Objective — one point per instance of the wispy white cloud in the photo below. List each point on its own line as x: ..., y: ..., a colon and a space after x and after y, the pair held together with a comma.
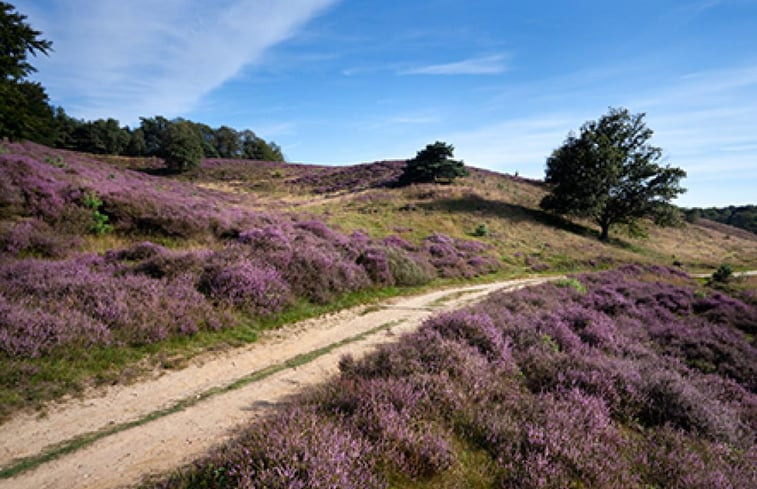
x: 486, y: 65
x: 141, y: 57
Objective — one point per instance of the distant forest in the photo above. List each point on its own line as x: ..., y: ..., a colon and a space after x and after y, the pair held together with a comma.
x: 744, y: 217
x: 106, y: 136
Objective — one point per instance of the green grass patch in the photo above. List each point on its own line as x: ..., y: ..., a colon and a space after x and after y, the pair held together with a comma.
x: 474, y: 469
x: 573, y: 283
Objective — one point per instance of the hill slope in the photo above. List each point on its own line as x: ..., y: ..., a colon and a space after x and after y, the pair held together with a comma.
x: 105, y: 261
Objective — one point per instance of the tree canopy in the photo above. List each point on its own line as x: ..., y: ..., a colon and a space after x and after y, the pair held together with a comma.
x: 434, y: 163
x: 24, y: 109
x: 182, y: 149
x: 17, y: 41
x: 611, y: 173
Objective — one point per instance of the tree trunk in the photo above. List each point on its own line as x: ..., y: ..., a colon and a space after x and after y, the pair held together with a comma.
x: 605, y: 235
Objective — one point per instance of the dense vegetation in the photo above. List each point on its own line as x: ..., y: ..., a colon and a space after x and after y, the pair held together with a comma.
x: 433, y: 163
x: 744, y: 217
x: 624, y: 379
x: 157, y: 136
x: 611, y: 174
x: 57, y: 298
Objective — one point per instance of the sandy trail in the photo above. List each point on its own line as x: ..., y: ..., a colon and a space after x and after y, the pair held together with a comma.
x: 125, y: 457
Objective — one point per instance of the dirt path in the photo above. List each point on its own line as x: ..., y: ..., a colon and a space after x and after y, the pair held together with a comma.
x: 161, y: 423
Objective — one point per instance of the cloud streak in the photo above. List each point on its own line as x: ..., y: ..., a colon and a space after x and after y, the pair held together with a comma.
x: 486, y: 65
x: 127, y: 59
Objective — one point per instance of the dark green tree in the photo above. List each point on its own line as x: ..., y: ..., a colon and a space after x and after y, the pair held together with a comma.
x: 227, y: 142
x: 207, y: 137
x: 434, y: 163
x: 154, y: 132
x: 25, y: 112
x: 136, y: 145
x: 611, y: 174
x: 182, y: 147
x: 24, y: 109
x: 255, y: 148
x: 17, y: 41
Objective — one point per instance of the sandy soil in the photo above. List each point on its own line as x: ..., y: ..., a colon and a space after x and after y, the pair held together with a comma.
x: 124, y: 458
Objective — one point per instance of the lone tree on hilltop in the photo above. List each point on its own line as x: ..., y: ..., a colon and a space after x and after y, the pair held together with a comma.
x: 434, y: 163
x: 611, y: 174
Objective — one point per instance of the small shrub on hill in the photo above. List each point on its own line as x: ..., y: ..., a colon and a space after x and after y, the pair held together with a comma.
x: 723, y: 274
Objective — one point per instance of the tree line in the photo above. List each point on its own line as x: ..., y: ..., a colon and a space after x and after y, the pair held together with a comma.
x: 26, y: 114
x: 744, y: 216
x: 150, y: 138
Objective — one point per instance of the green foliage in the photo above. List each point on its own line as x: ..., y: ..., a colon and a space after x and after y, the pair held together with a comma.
x: 100, y: 224
x: 611, y: 174
x: 434, y: 163
x: 481, y: 230
x: 744, y: 217
x: 182, y: 149
x: 24, y: 109
x: 57, y: 162
x: 18, y: 40
x: 550, y: 343
x: 572, y: 282
x: 405, y: 270
x: 25, y: 113
x: 723, y: 274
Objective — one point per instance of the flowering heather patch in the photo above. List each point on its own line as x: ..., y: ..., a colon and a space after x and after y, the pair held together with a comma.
x: 457, y: 257
x: 132, y: 201
x: 31, y: 332
x: 561, y: 387
x: 297, y: 450
x: 145, y: 292
x: 258, y: 289
x: 259, y: 263
x: 86, y: 300
x: 349, y: 178
x: 33, y: 236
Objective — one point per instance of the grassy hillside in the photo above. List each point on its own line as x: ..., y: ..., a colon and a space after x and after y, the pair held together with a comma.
x: 108, y: 261
x: 503, y: 208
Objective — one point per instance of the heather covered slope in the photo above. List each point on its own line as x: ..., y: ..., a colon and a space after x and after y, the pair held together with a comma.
x: 634, y: 378
x: 101, y: 265
x: 105, y: 261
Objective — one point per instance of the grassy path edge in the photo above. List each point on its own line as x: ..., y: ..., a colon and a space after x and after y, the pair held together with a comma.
x: 58, y: 450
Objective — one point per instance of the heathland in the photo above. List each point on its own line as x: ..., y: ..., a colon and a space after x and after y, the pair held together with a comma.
x: 113, y: 267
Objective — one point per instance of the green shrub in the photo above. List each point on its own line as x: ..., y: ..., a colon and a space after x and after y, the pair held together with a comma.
x: 723, y: 274
x: 405, y: 270
x: 481, y: 230
x: 572, y: 282
x: 100, y: 223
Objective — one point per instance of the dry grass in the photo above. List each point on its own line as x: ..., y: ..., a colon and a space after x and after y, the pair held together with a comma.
x: 521, y: 234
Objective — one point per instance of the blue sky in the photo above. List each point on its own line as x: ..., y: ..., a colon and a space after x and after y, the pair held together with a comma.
x: 355, y: 80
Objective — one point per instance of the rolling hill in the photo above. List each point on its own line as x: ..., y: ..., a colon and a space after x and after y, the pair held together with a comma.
x: 108, y: 261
